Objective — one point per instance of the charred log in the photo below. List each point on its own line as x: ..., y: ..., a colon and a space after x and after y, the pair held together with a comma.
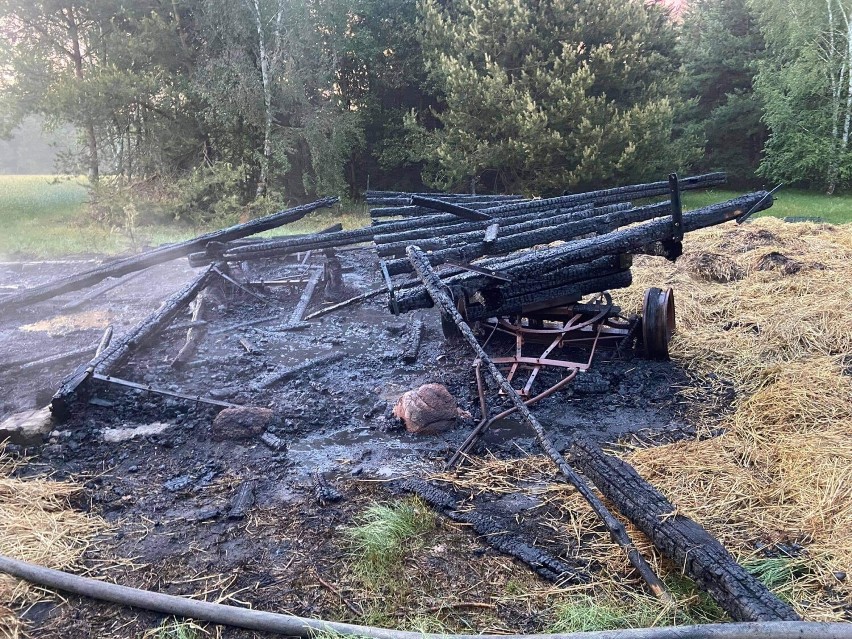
x: 496, y: 535
x: 622, y: 241
x: 680, y: 538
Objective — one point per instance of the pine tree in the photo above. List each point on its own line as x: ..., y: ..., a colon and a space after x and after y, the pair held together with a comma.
x: 546, y: 95
x: 721, y: 45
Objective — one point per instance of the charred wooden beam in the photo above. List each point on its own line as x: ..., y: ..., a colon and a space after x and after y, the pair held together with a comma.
x: 539, y: 234
x: 622, y: 241
x: 679, y: 538
x: 551, y: 297
x: 437, y: 291
x: 120, y: 267
x: 288, y: 246
x: 118, y: 352
x: 496, y: 535
x: 463, y: 212
x: 549, y: 226
x: 598, y: 198
x: 519, y: 291
x: 243, y: 501
x: 305, y: 299
x: 413, y: 337
x: 194, y: 334
x: 429, y: 231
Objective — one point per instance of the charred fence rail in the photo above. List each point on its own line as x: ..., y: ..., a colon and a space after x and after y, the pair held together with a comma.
x: 161, y: 254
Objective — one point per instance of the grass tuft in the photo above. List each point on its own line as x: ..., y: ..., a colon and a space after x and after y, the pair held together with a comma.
x: 382, y: 534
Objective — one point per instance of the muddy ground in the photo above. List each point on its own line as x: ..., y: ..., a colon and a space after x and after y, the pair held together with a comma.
x: 169, y: 495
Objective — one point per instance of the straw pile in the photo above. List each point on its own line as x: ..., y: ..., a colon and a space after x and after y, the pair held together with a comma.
x: 781, y: 474
x: 37, y: 524
x: 779, y: 480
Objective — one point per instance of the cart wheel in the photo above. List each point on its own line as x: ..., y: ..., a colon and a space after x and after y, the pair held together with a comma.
x: 658, y: 322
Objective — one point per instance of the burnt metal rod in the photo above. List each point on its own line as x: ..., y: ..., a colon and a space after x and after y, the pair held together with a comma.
x: 242, y: 287
x: 616, y: 529
x: 161, y: 391
x: 307, y: 628
x: 486, y: 423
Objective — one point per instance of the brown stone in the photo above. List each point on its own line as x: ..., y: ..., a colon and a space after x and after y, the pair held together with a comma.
x: 241, y: 423
x: 427, y: 410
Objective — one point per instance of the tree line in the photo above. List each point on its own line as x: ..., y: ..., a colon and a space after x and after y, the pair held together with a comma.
x: 215, y: 104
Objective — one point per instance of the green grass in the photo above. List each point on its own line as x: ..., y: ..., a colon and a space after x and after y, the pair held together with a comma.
x: 175, y: 629
x: 43, y: 216
x: 836, y: 209
x: 383, y: 533
x: 611, y: 611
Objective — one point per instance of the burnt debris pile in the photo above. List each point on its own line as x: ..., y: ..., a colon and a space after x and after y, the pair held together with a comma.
x: 503, y: 262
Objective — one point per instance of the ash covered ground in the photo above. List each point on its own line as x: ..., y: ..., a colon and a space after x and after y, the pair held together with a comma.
x: 169, y: 490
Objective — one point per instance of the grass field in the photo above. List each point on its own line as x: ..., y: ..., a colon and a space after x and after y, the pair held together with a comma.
x: 44, y: 216
x: 836, y: 209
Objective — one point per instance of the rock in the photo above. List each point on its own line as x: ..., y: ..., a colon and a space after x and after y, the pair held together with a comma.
x: 241, y: 423
x: 29, y: 428
x: 428, y: 410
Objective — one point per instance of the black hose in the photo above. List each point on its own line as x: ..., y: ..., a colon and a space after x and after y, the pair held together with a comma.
x: 300, y: 627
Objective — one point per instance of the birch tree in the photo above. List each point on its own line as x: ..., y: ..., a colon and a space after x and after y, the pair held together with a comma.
x: 806, y: 84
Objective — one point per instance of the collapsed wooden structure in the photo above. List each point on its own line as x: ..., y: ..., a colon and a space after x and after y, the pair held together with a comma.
x: 522, y: 266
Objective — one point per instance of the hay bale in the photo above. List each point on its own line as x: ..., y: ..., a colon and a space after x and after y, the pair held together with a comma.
x: 711, y: 267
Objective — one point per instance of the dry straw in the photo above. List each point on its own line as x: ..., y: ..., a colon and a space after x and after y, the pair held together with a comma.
x: 37, y: 524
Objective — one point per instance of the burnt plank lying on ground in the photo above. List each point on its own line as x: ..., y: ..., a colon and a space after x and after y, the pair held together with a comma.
x: 121, y: 349
x: 497, y: 535
x: 680, y: 538
x: 158, y: 255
